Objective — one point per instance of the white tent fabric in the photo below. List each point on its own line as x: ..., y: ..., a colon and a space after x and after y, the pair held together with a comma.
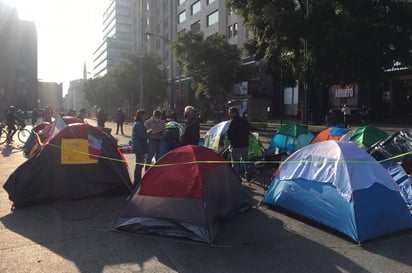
x: 219, y: 128
x: 212, y: 137
x: 319, y: 162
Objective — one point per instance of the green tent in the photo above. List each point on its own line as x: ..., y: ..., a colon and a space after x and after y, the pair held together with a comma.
x: 293, y: 130
x: 366, y: 136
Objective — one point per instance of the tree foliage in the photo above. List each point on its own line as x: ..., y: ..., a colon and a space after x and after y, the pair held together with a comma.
x: 212, y: 64
x: 123, y: 84
x: 348, y: 40
x: 96, y: 91
x: 128, y: 80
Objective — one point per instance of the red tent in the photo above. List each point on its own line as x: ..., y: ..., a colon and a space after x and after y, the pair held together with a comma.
x: 185, y: 194
x: 80, y: 161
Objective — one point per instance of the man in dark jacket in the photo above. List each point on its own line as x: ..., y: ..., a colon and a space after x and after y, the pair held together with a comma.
x: 120, y: 117
x: 238, y: 136
x: 191, y: 133
x: 11, y: 120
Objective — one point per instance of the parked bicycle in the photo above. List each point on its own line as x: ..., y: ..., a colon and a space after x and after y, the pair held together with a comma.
x: 261, y: 171
x: 22, y: 132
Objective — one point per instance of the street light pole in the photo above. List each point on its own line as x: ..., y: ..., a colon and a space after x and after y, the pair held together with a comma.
x: 171, y: 68
x: 304, y: 4
x: 141, y: 58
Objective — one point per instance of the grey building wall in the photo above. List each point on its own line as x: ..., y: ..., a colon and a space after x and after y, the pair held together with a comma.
x: 199, y: 18
x: 18, y: 61
x: 51, y: 94
x: 117, y: 37
x: 76, y: 98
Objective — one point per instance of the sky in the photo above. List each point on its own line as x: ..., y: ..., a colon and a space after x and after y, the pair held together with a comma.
x: 68, y: 32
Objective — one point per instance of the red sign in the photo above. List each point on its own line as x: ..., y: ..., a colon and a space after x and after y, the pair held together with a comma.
x: 343, y: 91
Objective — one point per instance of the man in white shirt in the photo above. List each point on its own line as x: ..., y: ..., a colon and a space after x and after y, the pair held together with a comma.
x: 156, y: 130
x: 346, y: 115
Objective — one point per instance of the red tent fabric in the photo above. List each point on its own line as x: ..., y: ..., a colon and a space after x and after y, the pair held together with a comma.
x: 185, y: 194
x: 181, y: 172
x: 64, y: 170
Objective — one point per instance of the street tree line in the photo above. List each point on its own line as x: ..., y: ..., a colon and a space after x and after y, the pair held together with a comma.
x: 346, y: 40
x: 328, y: 42
x: 211, y: 63
x: 121, y: 86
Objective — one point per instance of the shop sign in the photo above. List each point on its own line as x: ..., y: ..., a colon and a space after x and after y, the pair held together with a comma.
x: 343, y: 91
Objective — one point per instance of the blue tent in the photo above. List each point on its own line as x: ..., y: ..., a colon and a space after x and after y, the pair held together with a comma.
x: 401, y: 178
x: 340, y: 185
x: 290, y: 137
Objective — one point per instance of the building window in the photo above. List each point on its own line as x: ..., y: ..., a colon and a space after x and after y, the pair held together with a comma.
x: 210, y: 1
x: 195, y: 8
x: 182, y: 17
x: 195, y: 27
x: 230, y: 31
x: 181, y: 1
x: 212, y: 18
x: 235, y: 29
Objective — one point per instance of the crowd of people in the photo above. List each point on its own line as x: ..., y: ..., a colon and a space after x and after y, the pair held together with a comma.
x: 332, y: 119
x: 149, y: 132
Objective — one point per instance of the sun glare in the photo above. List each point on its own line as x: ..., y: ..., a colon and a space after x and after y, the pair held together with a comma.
x: 68, y: 33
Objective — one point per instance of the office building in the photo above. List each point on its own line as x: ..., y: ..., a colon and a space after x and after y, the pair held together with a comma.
x: 117, y: 37
x: 18, y: 59
x: 51, y: 94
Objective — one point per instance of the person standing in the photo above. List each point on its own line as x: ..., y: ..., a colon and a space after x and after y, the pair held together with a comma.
x: 82, y: 114
x: 238, y: 136
x: 139, y: 145
x: 101, y: 118
x: 34, y: 116
x: 346, y: 115
x: 11, y: 119
x: 364, y: 115
x: 155, y: 127
x: 330, y: 118
x: 191, y: 133
x: 48, y: 113
x: 120, y: 116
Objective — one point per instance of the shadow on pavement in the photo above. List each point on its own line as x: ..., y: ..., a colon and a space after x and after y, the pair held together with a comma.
x: 79, y: 231
x: 7, y: 150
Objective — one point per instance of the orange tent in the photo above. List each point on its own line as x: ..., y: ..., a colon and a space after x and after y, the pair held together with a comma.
x: 330, y: 133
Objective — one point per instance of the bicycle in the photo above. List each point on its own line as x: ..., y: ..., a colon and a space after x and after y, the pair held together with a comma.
x: 22, y: 133
x: 261, y: 171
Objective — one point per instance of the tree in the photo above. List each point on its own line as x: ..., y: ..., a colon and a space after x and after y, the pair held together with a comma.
x: 103, y: 92
x: 128, y: 80
x: 95, y: 91
x: 348, y: 40
x: 212, y: 64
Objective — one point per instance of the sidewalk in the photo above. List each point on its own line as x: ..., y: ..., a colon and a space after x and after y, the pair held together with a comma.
x: 76, y: 237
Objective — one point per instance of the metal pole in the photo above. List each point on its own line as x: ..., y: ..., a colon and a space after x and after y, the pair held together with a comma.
x: 305, y: 52
x: 141, y: 57
x: 171, y: 67
x: 172, y: 75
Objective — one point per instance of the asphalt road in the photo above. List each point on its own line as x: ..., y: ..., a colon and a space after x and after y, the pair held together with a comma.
x: 76, y: 237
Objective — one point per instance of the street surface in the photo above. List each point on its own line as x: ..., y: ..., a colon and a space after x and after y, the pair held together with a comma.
x: 76, y: 237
